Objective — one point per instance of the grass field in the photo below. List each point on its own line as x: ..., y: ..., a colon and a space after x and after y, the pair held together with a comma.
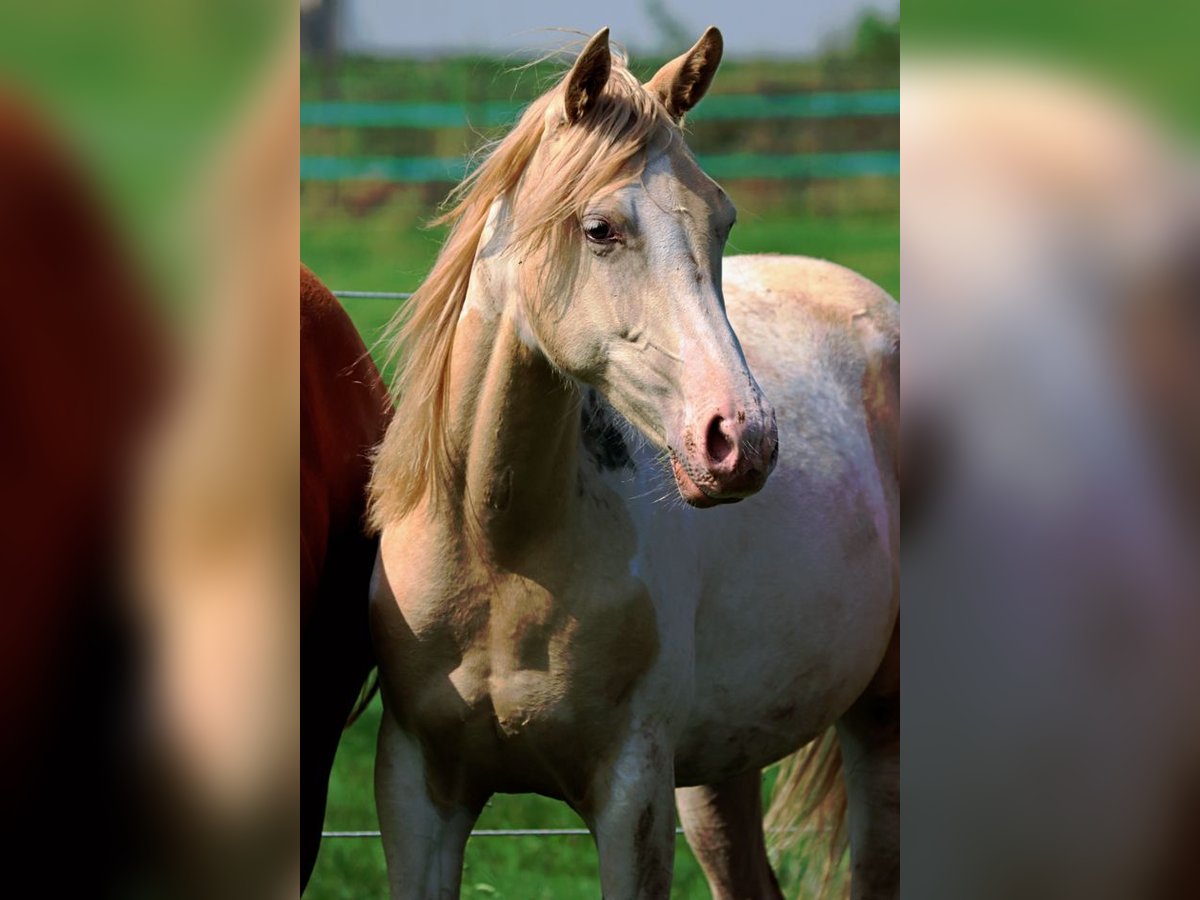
x: 474, y: 78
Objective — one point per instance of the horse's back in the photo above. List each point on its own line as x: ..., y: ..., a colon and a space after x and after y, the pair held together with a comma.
x: 797, y: 310
x: 344, y: 410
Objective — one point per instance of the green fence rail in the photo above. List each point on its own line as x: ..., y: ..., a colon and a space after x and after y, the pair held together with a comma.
x: 420, y: 170
x: 727, y: 107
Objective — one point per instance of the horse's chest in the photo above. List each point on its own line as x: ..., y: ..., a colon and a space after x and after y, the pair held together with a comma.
x: 569, y: 658
x: 517, y: 666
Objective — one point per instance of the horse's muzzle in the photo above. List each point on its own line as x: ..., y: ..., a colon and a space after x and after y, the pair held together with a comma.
x: 726, y: 457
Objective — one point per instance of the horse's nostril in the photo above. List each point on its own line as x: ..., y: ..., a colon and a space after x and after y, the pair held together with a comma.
x: 717, y: 443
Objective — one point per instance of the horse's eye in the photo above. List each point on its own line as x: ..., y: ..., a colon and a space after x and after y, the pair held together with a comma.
x: 599, y: 231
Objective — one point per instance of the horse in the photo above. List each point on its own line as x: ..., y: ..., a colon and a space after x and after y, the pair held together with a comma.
x: 344, y: 408
x: 638, y: 511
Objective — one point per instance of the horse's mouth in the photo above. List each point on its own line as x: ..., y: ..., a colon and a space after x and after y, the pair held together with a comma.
x: 692, y: 493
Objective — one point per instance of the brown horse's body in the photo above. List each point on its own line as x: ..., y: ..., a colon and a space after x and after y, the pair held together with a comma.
x: 344, y: 410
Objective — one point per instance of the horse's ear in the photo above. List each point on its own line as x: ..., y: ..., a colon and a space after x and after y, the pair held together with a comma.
x: 684, y: 80
x: 587, y: 77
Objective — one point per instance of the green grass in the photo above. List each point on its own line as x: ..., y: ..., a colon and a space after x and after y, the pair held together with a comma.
x: 479, y: 78
x: 143, y: 93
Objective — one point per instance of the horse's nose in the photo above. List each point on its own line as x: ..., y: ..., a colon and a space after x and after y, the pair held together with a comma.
x: 739, y: 448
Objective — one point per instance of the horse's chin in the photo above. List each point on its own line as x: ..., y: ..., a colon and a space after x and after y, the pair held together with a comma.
x: 692, y: 493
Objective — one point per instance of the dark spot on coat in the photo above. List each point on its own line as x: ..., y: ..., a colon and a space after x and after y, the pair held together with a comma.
x: 644, y: 824
x: 499, y: 492
x: 783, y: 713
x: 602, y: 438
x: 654, y: 877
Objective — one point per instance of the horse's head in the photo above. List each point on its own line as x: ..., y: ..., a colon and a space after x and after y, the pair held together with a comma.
x: 637, y: 266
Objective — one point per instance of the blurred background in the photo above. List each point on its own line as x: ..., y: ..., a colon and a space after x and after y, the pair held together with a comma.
x: 1051, y: 588
x: 148, y: 164
x: 801, y: 127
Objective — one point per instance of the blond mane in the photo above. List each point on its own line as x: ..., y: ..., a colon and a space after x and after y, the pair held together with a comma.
x: 580, y: 160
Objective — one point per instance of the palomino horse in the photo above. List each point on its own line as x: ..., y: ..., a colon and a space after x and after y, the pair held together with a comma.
x: 343, y: 411
x: 546, y: 615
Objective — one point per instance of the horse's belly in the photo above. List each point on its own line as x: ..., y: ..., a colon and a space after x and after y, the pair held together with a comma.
x: 787, y: 637
x: 758, y: 698
x: 733, y: 729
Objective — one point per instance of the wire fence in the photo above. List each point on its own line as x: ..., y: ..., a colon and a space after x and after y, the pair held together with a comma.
x: 733, y: 166
x: 485, y: 832
x: 372, y: 295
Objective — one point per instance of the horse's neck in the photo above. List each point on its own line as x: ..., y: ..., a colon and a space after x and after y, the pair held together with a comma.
x: 515, y: 421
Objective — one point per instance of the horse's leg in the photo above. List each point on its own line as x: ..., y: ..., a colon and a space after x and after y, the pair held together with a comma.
x: 632, y: 815
x: 869, y: 738
x: 423, y: 840
x: 723, y: 823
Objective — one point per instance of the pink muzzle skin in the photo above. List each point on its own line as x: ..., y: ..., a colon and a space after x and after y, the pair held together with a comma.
x: 728, y: 457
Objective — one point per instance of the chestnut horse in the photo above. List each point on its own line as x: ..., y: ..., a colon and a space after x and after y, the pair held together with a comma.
x: 344, y: 409
x: 590, y: 584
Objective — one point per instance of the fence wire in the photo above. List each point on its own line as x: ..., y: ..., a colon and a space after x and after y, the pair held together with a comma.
x: 484, y: 832
x: 371, y: 295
